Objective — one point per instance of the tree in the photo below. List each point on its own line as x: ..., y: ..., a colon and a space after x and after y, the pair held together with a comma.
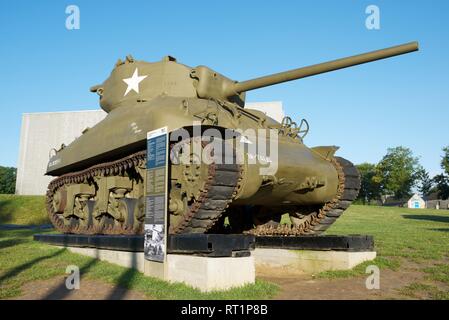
x: 7, y: 179
x: 442, y: 184
x: 442, y: 180
x: 445, y: 160
x: 425, y: 182
x: 369, y: 189
x: 398, y: 172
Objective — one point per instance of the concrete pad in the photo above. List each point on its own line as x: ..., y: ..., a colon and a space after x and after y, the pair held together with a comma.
x: 209, y: 274
x: 154, y: 269
x: 126, y: 259
x: 308, y: 261
x: 204, y: 273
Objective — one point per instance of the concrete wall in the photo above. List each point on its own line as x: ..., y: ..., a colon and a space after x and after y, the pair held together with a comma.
x: 39, y: 133
x: 272, y: 109
x: 43, y: 131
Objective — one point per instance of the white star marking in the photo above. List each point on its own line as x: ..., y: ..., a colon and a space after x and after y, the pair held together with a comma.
x: 133, y: 82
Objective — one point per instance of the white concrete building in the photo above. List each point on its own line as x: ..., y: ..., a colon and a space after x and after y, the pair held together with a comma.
x: 416, y: 202
x: 41, y: 132
x: 272, y: 109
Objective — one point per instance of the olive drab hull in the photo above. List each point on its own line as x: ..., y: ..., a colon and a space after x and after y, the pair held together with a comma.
x: 267, y: 171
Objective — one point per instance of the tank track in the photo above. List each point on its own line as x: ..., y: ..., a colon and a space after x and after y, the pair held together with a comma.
x: 322, y: 219
x: 216, y: 197
x: 220, y: 189
x: 104, y: 169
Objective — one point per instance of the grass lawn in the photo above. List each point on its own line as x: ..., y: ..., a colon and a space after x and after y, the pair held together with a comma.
x: 23, y: 260
x: 401, y: 235
x: 25, y: 210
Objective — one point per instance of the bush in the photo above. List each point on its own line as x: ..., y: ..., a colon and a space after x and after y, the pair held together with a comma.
x: 7, y: 180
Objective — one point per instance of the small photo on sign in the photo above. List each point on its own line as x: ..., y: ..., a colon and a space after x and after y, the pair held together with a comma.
x: 154, y: 242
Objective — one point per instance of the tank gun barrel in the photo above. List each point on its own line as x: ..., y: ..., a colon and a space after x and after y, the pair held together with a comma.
x: 304, y: 72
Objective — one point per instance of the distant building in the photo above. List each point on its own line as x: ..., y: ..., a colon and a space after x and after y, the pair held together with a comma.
x: 41, y: 132
x: 416, y: 202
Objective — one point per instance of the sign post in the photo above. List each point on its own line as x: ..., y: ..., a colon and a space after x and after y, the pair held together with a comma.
x: 156, y: 198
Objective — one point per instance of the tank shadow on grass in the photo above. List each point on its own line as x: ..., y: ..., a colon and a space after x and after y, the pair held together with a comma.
x: 10, y: 243
x: 427, y: 217
x: 440, y: 229
x: 124, y: 281
x: 118, y: 293
x: 14, y: 272
x: 61, y: 291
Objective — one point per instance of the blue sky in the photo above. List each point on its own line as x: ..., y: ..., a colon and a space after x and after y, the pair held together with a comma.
x: 364, y: 110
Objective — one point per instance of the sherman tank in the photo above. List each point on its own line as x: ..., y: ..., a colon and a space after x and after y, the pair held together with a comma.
x: 101, y: 176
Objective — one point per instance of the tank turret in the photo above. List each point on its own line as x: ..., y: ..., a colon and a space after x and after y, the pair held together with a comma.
x: 168, y: 77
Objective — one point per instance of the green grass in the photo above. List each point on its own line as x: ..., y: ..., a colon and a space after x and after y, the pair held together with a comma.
x: 23, y: 260
x: 380, y: 262
x: 438, y: 272
x: 419, y: 290
x: 400, y: 235
x: 415, y: 234
x: 23, y: 210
